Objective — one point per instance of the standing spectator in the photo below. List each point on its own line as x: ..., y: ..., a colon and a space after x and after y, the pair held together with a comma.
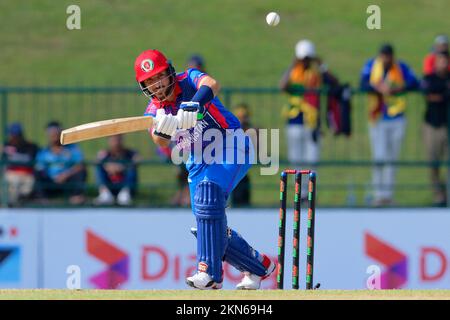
x: 60, y: 169
x: 436, y: 87
x: 19, y: 155
x: 116, y: 173
x: 440, y: 45
x: 302, y: 81
x: 386, y: 79
x: 241, y: 195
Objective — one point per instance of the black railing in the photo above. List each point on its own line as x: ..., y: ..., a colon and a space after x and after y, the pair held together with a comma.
x: 344, y: 171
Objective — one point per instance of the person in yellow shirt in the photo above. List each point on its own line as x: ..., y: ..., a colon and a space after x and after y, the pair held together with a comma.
x: 302, y: 81
x: 386, y: 79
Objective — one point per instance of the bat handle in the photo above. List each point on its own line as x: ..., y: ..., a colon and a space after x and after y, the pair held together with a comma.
x: 165, y: 136
x: 194, y: 108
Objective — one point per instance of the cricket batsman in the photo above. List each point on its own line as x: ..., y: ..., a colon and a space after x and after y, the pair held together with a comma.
x: 185, y: 102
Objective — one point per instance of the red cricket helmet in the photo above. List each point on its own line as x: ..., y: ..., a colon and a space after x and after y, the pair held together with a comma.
x: 149, y: 63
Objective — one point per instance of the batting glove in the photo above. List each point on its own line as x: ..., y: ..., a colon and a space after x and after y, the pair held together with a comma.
x: 187, y: 115
x: 166, y: 124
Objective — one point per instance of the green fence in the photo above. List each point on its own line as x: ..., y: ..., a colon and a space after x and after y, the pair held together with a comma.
x: 344, y: 172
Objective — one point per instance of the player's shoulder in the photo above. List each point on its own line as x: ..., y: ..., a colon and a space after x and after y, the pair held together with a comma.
x: 151, y: 108
x: 180, y: 76
x: 193, y: 72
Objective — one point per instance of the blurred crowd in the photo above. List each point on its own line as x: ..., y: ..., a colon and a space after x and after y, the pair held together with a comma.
x: 386, y: 78
x: 56, y: 171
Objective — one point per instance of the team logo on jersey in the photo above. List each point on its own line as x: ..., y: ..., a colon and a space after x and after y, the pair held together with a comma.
x: 147, y: 65
x: 202, y: 267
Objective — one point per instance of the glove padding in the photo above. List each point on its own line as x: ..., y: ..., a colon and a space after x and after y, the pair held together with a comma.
x: 166, y: 124
x: 187, y: 115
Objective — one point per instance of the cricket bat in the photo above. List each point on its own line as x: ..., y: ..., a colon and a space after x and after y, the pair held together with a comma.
x: 105, y: 128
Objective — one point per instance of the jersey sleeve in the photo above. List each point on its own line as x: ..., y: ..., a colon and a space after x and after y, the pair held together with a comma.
x: 194, y: 76
x: 150, y: 110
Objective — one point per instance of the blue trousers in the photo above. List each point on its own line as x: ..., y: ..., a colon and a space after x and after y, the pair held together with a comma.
x: 227, y: 175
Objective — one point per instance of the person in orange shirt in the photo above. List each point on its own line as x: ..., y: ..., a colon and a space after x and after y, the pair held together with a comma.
x: 440, y: 46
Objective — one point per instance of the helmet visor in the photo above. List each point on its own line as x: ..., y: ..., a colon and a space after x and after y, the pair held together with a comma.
x: 159, y: 86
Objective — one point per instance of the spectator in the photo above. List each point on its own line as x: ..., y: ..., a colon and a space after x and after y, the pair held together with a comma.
x: 241, y: 195
x: 302, y: 81
x: 440, y: 45
x: 116, y: 173
x: 196, y: 61
x: 386, y: 79
x: 436, y: 87
x: 19, y: 155
x: 60, y: 169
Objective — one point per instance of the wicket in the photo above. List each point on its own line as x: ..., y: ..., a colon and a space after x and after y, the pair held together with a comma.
x: 296, y: 230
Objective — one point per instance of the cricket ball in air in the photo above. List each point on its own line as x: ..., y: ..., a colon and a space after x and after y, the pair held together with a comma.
x: 273, y: 19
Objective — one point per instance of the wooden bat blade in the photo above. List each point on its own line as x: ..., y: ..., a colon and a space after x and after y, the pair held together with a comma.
x: 104, y: 128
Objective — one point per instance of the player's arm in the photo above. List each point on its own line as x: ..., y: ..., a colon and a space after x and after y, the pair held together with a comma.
x: 189, y: 111
x: 208, y: 88
x: 211, y: 83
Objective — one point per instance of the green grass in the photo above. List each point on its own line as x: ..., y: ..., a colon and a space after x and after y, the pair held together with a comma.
x: 39, y: 294
x: 240, y: 51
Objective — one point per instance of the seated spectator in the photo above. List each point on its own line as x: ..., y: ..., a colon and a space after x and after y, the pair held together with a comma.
x: 436, y: 87
x: 116, y: 173
x: 19, y: 155
x: 440, y: 46
x: 60, y: 169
